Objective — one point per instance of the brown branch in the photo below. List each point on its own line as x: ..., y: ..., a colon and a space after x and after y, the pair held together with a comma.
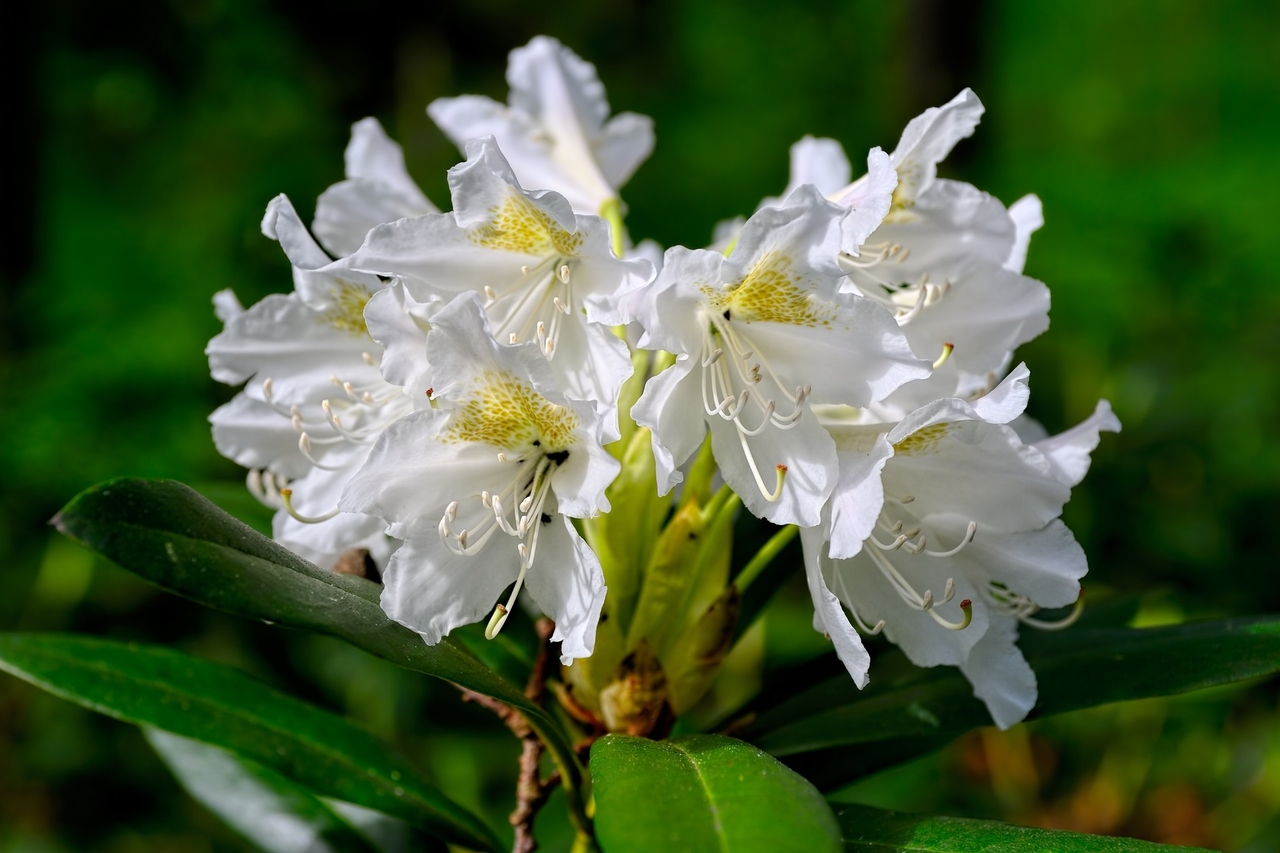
x: 531, y: 789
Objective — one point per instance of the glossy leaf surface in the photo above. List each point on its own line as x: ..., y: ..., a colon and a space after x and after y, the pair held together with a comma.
x: 703, y: 792
x: 178, y: 540
x: 868, y: 830
x: 218, y: 705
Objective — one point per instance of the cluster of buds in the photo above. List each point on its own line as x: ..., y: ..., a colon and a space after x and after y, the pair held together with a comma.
x: 512, y: 397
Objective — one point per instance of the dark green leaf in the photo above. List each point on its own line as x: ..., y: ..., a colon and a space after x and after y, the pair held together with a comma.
x: 277, y: 815
x: 869, y: 830
x: 171, y: 536
x: 703, y: 792
x: 1075, y: 669
x: 159, y: 687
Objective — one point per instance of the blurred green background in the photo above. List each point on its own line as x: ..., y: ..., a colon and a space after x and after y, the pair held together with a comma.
x: 149, y: 137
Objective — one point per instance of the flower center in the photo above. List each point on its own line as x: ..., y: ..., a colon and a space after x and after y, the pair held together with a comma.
x: 872, y: 275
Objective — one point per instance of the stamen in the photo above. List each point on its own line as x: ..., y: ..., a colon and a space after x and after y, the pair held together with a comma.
x: 946, y: 354
x: 968, y: 537
x: 304, y: 445
x: 490, y: 296
x: 560, y: 305
x: 524, y: 269
x: 515, y: 339
x: 286, y: 497
x: 1066, y: 622
x: 564, y: 273
x: 497, y: 620
x: 368, y: 359
x: 266, y: 389
x: 713, y: 358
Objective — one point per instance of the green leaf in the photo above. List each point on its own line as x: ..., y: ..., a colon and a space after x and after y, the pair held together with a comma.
x: 176, y: 539
x: 868, y: 830
x: 703, y: 792
x: 277, y: 815
x: 1074, y: 669
x: 156, y: 686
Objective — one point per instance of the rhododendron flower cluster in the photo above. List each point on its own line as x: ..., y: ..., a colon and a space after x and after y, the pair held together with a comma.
x: 507, y: 405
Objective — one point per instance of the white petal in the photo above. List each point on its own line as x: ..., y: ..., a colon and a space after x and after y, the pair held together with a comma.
x: 868, y: 200
x: 433, y: 256
x: 806, y: 450
x: 1028, y: 217
x: 948, y: 460
x: 859, y: 493
x: 568, y: 584
x: 226, y: 305
x: 317, y: 494
x: 820, y: 162
x: 461, y: 347
x: 591, y: 363
x: 1000, y: 675
x: 863, y: 344
x: 829, y: 616
x: 1069, y: 452
x: 400, y: 324
x: 252, y: 434
x: 374, y: 156
x: 625, y: 142
x: 485, y: 180
x: 987, y: 312
x: 928, y: 139
x: 1045, y: 565
x: 298, y: 348
x: 948, y: 228
x: 281, y: 223
x: 347, y: 211
x: 432, y: 590
x: 668, y: 308
x: 1007, y: 400
x: 671, y: 407
x: 412, y: 475
x: 804, y: 228
x: 580, y: 482
x: 860, y: 584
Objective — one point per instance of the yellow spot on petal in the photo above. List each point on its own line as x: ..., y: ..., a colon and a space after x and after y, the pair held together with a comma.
x: 519, y: 225
x: 346, y: 313
x: 922, y: 441
x: 770, y: 292
x: 505, y: 412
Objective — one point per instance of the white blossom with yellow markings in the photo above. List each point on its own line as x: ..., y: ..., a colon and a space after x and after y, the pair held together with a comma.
x: 540, y: 269
x: 482, y: 486
x: 946, y: 260
x: 758, y: 335
x: 556, y: 130
x: 314, y: 399
x: 944, y: 533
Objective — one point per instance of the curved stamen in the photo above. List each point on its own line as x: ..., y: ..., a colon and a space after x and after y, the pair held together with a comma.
x: 1065, y: 622
x: 286, y: 497
x: 304, y: 446
x: 968, y: 537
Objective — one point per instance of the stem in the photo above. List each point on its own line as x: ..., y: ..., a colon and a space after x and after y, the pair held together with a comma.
x: 531, y: 789
x: 611, y: 212
x: 765, y: 556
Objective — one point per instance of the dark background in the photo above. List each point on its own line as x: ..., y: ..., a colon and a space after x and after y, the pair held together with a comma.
x: 146, y: 139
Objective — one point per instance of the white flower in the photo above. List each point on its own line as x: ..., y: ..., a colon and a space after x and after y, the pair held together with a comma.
x: 378, y: 189
x: 946, y: 260
x: 758, y: 335
x: 556, y: 131
x: 539, y: 267
x: 944, y: 533
x: 503, y: 456
x: 314, y: 398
